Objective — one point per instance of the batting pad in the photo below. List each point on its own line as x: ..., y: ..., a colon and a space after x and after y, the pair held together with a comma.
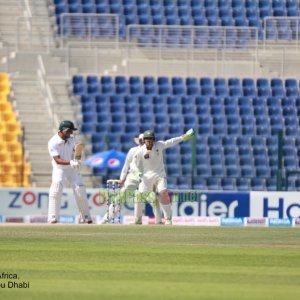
x: 157, y: 211
x: 81, y: 199
x: 55, y: 194
x: 167, y: 210
x: 139, y: 209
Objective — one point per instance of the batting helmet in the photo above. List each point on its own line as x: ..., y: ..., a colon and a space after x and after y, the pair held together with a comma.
x: 66, y: 125
x: 149, y: 134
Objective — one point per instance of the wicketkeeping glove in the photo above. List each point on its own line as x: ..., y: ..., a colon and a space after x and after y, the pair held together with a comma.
x: 137, y: 174
x: 188, y: 134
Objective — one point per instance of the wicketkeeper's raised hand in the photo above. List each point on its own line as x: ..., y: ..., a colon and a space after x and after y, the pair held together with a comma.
x: 188, y: 134
x: 75, y: 164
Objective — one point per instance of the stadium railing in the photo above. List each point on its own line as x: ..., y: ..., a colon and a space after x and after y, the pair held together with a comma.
x: 282, y: 32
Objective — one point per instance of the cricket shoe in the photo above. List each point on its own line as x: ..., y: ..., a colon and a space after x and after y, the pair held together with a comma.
x: 104, y: 221
x: 138, y: 221
x: 168, y: 221
x: 53, y: 220
x: 88, y: 221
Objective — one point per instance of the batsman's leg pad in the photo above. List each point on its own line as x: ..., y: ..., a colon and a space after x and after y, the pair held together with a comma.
x: 157, y: 211
x: 167, y: 211
x: 55, y: 194
x: 81, y: 199
x: 139, y: 209
x: 166, y: 204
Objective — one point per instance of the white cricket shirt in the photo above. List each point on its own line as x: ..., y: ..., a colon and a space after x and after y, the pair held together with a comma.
x: 63, y: 148
x: 129, y: 165
x: 151, y: 163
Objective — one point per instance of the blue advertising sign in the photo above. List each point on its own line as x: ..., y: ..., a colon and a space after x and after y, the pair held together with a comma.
x: 276, y: 222
x: 279, y: 205
x: 67, y: 219
x: 232, y: 222
x: 213, y: 204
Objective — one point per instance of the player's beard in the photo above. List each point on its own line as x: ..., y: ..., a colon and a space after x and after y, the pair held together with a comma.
x: 149, y: 146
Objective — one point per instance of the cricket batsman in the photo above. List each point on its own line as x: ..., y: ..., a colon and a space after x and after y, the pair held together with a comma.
x: 149, y: 161
x: 66, y: 163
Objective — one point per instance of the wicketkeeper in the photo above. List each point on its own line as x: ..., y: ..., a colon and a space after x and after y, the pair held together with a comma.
x: 149, y: 161
x: 129, y: 183
x: 66, y: 163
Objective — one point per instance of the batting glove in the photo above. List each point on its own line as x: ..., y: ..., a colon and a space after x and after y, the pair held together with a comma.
x: 188, y: 134
x: 75, y: 164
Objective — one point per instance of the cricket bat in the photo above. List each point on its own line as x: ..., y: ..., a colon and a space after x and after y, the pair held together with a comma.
x: 78, y: 151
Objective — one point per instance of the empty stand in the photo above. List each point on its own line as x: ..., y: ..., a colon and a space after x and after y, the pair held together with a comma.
x: 14, y: 170
x: 236, y: 135
x: 112, y: 18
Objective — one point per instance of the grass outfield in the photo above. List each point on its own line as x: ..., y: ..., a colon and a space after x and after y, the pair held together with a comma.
x: 149, y: 262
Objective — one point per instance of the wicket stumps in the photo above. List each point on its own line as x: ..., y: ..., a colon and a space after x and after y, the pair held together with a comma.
x: 114, y: 200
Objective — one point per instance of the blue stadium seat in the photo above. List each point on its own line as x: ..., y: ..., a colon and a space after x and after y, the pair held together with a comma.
x: 191, y: 81
x: 262, y: 172
x: 106, y: 80
x: 184, y: 183
x: 233, y: 129
x: 262, y: 130
x: 173, y: 170
x: 228, y: 184
x: 78, y: 79
x: 260, y: 111
x: 202, y: 161
x: 93, y: 89
x: 230, y: 158
x: 257, y: 184
x: 172, y: 182
x: 213, y: 183
x: 92, y: 80
x: 88, y: 128
x: 228, y: 141
x: 247, y: 172
x: 243, y: 141
x: 87, y: 107
x: 297, y: 184
x: 202, y: 172
x: 199, y: 183
x: 242, y: 184
x: 102, y: 127
x: 231, y: 110
x: 232, y: 172
x: 291, y: 130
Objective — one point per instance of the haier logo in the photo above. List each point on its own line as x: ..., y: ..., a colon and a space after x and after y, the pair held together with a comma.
x: 290, y: 210
x: 215, y: 205
x: 275, y: 205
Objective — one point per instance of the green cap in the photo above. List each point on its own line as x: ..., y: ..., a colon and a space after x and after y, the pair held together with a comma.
x: 149, y: 134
